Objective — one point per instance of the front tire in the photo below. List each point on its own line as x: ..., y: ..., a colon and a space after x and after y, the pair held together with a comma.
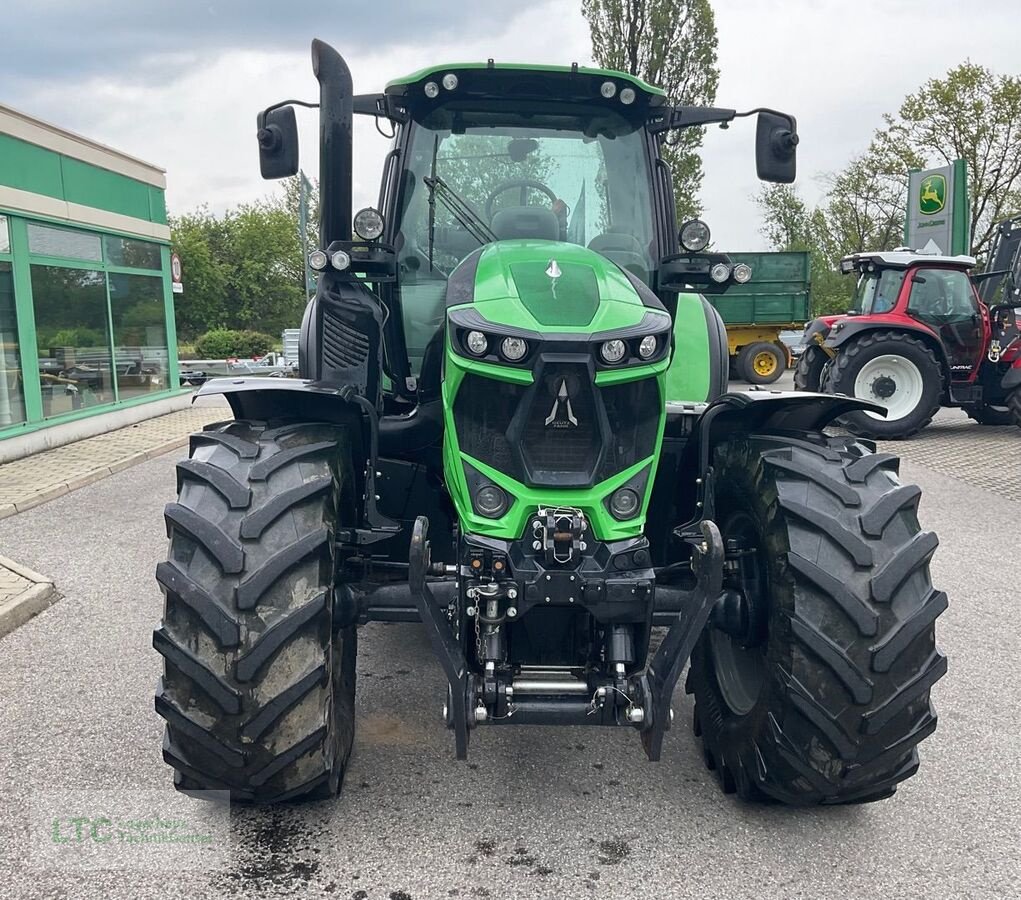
x: 1014, y: 405
x: 893, y: 369
x: 829, y: 700
x: 808, y: 371
x: 258, y: 689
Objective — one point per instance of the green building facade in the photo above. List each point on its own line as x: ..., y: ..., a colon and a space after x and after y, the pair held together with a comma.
x: 86, y: 308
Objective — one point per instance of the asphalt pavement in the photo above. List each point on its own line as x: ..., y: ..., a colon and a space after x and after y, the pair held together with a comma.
x: 534, y: 813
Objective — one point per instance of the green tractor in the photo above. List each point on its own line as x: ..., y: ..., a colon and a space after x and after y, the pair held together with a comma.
x: 511, y: 426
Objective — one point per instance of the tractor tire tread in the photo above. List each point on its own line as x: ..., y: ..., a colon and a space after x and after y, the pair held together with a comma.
x: 840, y: 718
x: 258, y: 689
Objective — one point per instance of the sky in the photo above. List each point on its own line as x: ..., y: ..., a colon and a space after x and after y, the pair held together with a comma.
x: 180, y: 84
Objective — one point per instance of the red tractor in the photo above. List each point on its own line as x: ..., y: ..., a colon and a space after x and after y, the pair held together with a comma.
x: 917, y: 338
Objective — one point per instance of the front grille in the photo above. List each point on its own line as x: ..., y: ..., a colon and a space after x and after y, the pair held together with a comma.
x: 633, y: 411
x: 561, y: 433
x: 561, y: 430
x: 483, y: 410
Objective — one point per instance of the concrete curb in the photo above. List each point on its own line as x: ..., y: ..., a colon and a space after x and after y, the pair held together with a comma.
x: 19, y: 609
x: 72, y: 484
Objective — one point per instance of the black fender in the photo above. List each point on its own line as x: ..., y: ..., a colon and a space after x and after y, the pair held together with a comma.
x: 302, y: 400
x: 295, y: 399
x: 750, y: 412
x: 847, y: 329
x: 1013, y: 377
x: 812, y: 329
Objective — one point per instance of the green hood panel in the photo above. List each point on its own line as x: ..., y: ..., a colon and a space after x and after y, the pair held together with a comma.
x: 513, y: 287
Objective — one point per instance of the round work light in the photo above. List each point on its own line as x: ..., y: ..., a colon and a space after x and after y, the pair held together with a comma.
x: 476, y: 342
x: 368, y: 224
x: 613, y: 351
x: 624, y: 503
x: 491, y: 501
x: 695, y: 236
x: 513, y: 348
x: 648, y: 346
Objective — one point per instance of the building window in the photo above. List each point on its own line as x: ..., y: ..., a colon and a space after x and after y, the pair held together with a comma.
x: 139, y: 334
x: 12, y: 392
x: 46, y: 241
x: 72, y: 333
x: 132, y: 254
x: 5, y: 237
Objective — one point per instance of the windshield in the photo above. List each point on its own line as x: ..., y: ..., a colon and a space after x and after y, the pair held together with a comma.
x: 463, y: 190
x: 877, y: 291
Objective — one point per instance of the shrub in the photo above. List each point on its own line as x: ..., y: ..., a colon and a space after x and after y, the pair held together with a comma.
x: 221, y: 343
x: 81, y: 338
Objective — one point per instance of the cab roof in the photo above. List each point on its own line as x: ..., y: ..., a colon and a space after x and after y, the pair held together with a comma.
x: 901, y: 259
x: 399, y: 86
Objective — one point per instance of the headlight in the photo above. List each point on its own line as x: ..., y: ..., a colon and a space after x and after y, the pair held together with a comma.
x: 368, y: 224
x: 432, y: 90
x: 608, y: 89
x: 491, y: 501
x: 340, y: 260
x: 627, y: 96
x: 695, y: 236
x: 317, y: 260
x: 742, y: 273
x: 450, y: 81
x: 624, y: 503
x: 513, y: 348
x: 720, y: 273
x: 613, y: 351
x: 476, y: 342
x: 648, y: 346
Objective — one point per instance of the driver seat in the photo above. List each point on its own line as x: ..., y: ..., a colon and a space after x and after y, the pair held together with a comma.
x: 518, y: 222
x: 623, y: 249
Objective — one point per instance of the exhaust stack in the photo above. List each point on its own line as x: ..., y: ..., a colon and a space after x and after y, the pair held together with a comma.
x: 336, y: 112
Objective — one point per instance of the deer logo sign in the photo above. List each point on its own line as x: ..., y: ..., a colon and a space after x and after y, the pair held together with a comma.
x: 932, y: 194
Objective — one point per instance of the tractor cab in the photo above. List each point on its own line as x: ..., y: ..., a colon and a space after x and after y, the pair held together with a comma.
x: 504, y: 153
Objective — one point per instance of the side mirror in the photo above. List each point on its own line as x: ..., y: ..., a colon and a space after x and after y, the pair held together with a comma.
x: 278, y: 142
x: 776, y: 142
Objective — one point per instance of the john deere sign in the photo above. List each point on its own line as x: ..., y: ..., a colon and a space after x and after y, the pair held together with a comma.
x: 932, y: 195
x: 938, y: 210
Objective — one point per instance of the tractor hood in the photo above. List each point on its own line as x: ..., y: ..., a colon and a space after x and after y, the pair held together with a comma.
x: 552, y: 286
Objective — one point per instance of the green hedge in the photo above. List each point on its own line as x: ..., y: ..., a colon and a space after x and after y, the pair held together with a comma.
x: 221, y: 343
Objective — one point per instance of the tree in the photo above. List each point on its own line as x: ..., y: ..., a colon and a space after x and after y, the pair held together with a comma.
x: 242, y: 270
x: 971, y: 114
x: 672, y: 44
x: 789, y: 223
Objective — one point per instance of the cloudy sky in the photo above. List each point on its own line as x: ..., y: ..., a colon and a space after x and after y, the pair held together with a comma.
x: 179, y: 83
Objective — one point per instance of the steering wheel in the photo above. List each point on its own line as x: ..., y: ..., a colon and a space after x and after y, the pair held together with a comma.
x: 524, y: 185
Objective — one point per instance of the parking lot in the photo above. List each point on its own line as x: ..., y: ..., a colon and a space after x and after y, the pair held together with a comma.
x: 534, y: 813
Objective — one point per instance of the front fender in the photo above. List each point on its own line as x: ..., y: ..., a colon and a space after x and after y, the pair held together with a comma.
x: 751, y: 412
x: 816, y: 332
x: 849, y: 328
x: 297, y: 399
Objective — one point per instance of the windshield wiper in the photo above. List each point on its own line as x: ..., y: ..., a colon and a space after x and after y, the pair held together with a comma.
x: 459, y: 208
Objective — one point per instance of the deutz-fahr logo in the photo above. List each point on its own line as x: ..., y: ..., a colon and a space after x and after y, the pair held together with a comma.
x: 562, y: 416
x: 932, y: 194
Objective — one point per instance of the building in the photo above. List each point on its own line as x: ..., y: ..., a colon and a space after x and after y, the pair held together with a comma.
x: 86, y: 308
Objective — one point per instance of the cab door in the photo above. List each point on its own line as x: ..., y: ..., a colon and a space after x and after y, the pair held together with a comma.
x: 945, y: 300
